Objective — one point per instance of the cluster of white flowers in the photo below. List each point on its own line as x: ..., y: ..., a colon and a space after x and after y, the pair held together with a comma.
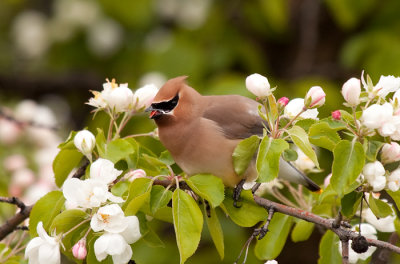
x: 119, y: 98
x: 117, y: 230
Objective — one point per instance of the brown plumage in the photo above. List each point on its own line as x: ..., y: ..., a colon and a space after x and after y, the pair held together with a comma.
x: 201, y: 132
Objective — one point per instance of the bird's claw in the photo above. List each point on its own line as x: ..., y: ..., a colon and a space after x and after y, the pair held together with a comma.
x: 236, y: 193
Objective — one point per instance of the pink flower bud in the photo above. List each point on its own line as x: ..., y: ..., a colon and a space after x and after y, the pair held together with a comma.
x: 315, y: 97
x: 134, y: 174
x: 351, y: 91
x: 79, y: 249
x: 336, y: 115
x: 390, y: 153
x: 283, y: 101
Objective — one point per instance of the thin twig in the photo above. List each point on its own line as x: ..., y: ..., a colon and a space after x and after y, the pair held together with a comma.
x: 345, y: 251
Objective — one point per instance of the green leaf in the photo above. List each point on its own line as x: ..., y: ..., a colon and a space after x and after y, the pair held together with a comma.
x: 269, y: 153
x: 328, y: 249
x: 244, y: 153
x: 69, y: 143
x: 188, y: 223
x: 166, y: 158
x: 322, y: 135
x: 350, y: 203
x: 138, y: 187
x: 300, y: 138
x: 101, y: 142
x: 208, y: 187
x: 372, y: 149
x: 348, y: 162
x: 217, y: 236
x: 65, y: 161
x: 152, y: 239
x: 302, y: 231
x: 395, y: 196
x: 66, y: 221
x: 139, y: 193
x: 120, y: 188
x: 248, y: 214
x: 273, y: 106
x: 159, y: 198
x: 272, y: 244
x: 379, y: 207
x: 290, y: 155
x: 45, y: 210
x: 118, y: 149
x: 305, y: 123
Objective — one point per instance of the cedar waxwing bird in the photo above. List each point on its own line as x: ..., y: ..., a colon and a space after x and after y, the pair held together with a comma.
x: 201, y: 132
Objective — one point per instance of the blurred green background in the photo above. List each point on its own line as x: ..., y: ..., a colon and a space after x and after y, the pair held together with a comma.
x: 55, y: 51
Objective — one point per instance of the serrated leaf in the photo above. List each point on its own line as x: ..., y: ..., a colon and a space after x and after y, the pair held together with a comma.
x: 208, y: 187
x: 159, y: 198
x: 188, y: 223
x: 350, y: 203
x: 45, y: 210
x: 118, y: 149
x: 65, y: 161
x: 300, y: 139
x: 379, y: 207
x: 272, y: 244
x: 372, y: 149
x: 328, y: 249
x: 302, y: 231
x: 348, y: 162
x: 322, y: 135
x: 290, y: 155
x: 248, y: 214
x: 217, y: 236
x: 244, y: 153
x: 268, y: 157
x: 166, y: 158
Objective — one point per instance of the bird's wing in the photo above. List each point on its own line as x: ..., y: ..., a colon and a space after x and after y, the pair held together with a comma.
x: 237, y: 116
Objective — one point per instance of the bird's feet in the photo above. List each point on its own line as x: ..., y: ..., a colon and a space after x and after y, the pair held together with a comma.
x: 236, y: 193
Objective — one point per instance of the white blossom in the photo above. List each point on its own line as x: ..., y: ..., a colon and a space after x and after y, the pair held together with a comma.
x: 390, y: 152
x: 103, y: 170
x: 374, y: 173
x: 105, y: 37
x: 386, y: 85
x: 295, y: 106
x: 393, y: 181
x: 97, y: 101
x: 131, y: 233
x: 43, y: 249
x: 351, y: 91
x: 271, y: 262
x: 375, y: 116
x: 118, y: 98
x: 85, y: 141
x: 114, y: 245
x: 109, y: 218
x: 303, y: 162
x: 87, y: 193
x: 315, y: 97
x: 258, y: 85
x: 385, y: 224
x: 144, y: 96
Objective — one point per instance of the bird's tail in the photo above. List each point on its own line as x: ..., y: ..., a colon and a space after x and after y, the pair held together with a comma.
x: 289, y: 172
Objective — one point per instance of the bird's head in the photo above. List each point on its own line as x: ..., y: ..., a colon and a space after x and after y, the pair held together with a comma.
x: 168, y: 98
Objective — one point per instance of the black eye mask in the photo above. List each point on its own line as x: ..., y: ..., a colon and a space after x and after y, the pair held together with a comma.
x: 166, y: 106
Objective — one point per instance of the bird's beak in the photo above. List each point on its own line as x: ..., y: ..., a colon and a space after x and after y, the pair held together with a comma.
x: 153, y: 112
